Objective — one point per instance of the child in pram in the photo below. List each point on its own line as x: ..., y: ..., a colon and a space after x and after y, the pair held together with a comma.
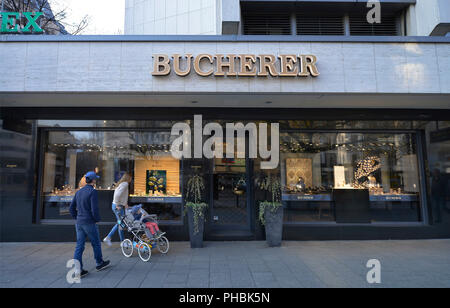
x: 145, y: 233
x: 139, y: 215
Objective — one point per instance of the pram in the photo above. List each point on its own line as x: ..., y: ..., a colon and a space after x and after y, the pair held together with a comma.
x: 143, y: 241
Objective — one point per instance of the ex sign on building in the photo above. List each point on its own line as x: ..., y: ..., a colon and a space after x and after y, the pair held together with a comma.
x: 11, y: 22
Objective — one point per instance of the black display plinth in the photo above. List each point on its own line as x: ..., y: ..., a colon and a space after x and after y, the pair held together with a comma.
x: 105, y: 199
x: 352, y: 205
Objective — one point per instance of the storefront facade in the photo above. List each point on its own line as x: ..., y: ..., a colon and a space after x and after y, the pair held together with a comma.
x: 363, y: 125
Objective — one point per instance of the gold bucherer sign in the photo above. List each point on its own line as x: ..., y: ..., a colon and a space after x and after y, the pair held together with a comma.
x: 236, y: 65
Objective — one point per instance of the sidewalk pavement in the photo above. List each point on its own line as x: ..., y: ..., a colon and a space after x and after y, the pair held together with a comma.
x: 418, y: 263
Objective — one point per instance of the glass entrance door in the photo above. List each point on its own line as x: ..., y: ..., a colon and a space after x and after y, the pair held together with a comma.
x: 230, y: 195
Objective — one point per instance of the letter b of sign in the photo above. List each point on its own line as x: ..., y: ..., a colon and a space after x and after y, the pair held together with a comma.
x: 374, y: 15
x: 374, y: 275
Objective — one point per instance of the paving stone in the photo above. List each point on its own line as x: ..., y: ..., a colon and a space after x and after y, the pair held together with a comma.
x: 199, y: 274
x: 176, y: 278
x: 243, y: 284
x: 197, y: 283
x: 154, y: 279
x: 267, y: 284
x: 258, y: 267
x: 263, y: 276
x: 174, y: 285
x: 199, y: 265
x: 219, y: 280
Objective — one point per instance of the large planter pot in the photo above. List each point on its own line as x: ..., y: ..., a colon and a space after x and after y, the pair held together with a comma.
x: 274, y: 226
x: 195, y: 238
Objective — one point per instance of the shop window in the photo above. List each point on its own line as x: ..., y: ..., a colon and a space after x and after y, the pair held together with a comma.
x: 68, y: 155
x: 439, y: 166
x: 380, y: 168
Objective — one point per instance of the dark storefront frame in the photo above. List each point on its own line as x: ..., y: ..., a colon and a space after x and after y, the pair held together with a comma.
x: 250, y: 199
x: 300, y: 231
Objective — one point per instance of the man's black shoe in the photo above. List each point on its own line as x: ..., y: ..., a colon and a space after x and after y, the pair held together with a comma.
x: 102, y: 266
x: 83, y: 273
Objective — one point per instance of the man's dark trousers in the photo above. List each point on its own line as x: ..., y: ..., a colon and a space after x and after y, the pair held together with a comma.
x: 91, y: 231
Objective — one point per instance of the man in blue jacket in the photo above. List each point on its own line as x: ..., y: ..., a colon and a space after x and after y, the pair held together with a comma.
x: 84, y: 208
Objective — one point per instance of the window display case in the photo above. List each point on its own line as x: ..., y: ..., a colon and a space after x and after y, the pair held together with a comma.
x: 157, y: 185
x: 315, y: 164
x: 145, y: 155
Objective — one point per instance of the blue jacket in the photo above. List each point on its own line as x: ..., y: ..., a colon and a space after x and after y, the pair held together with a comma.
x: 84, y: 206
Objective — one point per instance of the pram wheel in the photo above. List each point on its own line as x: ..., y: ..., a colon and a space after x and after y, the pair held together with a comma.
x: 127, y: 248
x: 144, y: 251
x: 163, y: 244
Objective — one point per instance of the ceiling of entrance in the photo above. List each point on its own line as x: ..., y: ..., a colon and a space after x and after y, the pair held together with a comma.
x: 235, y: 100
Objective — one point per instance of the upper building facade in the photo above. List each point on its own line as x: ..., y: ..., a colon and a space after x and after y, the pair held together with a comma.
x: 172, y: 17
x: 295, y: 17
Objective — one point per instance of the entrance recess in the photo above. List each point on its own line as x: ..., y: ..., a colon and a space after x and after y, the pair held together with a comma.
x: 231, y: 197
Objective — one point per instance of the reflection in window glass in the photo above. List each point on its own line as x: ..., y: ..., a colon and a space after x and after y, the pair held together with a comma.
x: 443, y: 124
x: 71, y: 154
x: 348, y: 124
x: 313, y: 165
x: 439, y: 166
x: 98, y: 124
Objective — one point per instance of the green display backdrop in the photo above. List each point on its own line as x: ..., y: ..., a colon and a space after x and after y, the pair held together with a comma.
x: 156, y: 180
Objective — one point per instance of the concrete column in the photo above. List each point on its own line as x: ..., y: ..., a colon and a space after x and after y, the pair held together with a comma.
x: 346, y: 24
x: 231, y: 16
x: 293, y: 24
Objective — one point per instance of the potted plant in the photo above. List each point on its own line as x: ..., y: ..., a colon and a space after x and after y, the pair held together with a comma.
x: 196, y: 210
x: 271, y: 211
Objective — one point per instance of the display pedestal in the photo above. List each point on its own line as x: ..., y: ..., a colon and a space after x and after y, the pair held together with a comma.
x: 352, y: 205
x: 105, y: 199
